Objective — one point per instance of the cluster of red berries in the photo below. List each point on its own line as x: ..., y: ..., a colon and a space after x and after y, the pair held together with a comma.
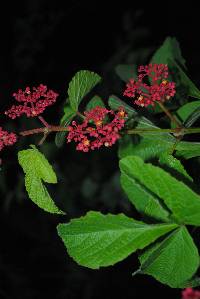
x: 6, y: 138
x: 34, y: 102
x: 159, y: 90
x: 95, y: 131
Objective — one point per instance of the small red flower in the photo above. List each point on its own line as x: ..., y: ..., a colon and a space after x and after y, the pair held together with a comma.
x: 94, y: 132
x: 190, y: 293
x: 159, y: 90
x: 34, y: 102
x: 6, y: 139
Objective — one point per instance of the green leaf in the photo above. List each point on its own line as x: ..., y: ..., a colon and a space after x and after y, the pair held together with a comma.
x: 145, y: 149
x: 169, y: 51
x: 98, y: 240
x: 81, y: 84
x: 192, y: 91
x: 38, y: 169
x: 126, y: 71
x: 94, y: 102
x: 178, y: 197
x: 140, y: 197
x: 65, y: 121
x: 173, y: 163
x: 192, y: 118
x: 114, y: 103
x: 39, y: 194
x: 33, y: 160
x: 186, y: 110
x: 188, y: 150
x: 172, y: 261
x: 191, y: 283
x: 149, y: 148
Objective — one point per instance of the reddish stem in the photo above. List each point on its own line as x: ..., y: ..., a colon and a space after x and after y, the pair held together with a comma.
x: 171, y: 117
x: 44, y: 130
x: 43, y: 121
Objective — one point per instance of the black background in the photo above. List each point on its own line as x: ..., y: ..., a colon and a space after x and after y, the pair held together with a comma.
x: 44, y: 42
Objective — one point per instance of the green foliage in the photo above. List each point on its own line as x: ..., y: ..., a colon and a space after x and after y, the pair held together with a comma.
x: 183, y: 202
x: 183, y: 79
x: 145, y: 148
x: 152, y: 144
x: 98, y: 240
x: 37, y: 169
x: 94, y: 102
x: 81, y: 84
x: 126, y: 71
x: 65, y: 121
x: 188, y: 150
x: 192, y: 118
x: 191, y: 283
x: 139, y: 195
x: 168, y: 52
x: 172, y: 261
x: 185, y: 112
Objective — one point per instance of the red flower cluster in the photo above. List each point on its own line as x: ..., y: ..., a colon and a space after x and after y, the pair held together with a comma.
x: 159, y: 90
x: 34, y: 102
x: 94, y: 132
x: 6, y: 138
x: 189, y: 293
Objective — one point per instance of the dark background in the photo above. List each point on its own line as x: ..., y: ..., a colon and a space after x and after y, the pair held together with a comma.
x: 43, y: 42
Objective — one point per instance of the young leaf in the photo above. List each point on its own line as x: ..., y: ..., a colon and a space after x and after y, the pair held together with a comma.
x: 65, y: 121
x: 172, y: 261
x: 126, y: 71
x: 98, y: 240
x: 178, y: 197
x: 81, y: 84
x: 38, y: 169
x: 169, y: 51
x: 140, y: 197
x: 95, y: 101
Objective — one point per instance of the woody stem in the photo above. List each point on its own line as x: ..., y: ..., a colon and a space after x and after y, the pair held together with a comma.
x: 80, y: 115
x: 168, y: 113
x: 175, y: 131
x: 44, y: 130
x: 43, y: 121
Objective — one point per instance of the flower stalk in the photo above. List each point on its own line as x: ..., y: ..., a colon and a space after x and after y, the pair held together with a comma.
x: 168, y: 113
